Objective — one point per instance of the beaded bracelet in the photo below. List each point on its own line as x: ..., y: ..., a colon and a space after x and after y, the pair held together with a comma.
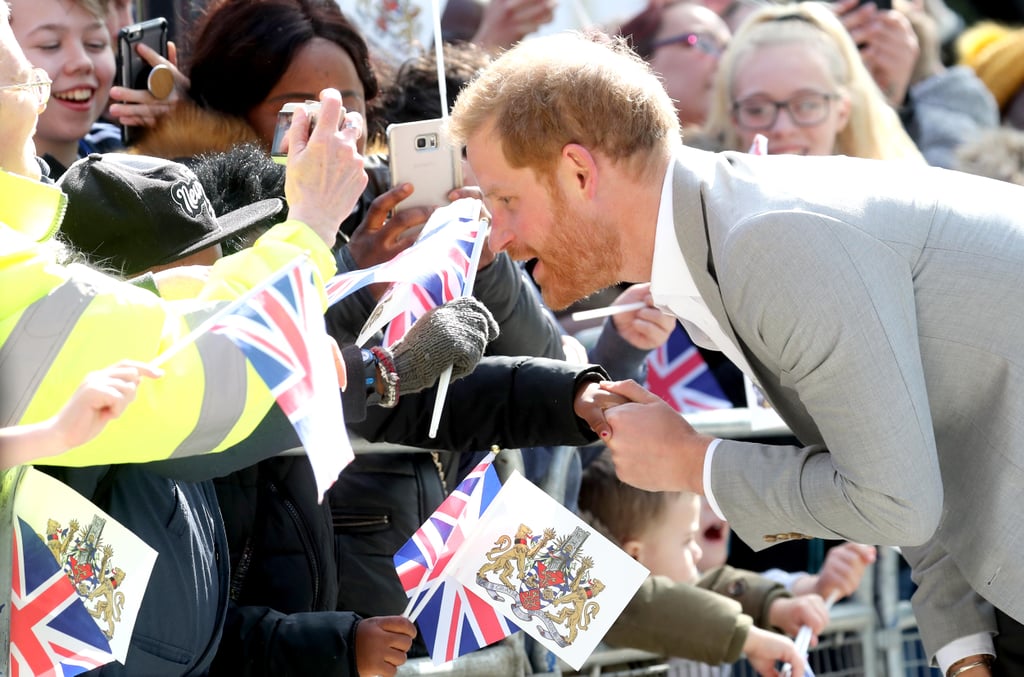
x: 389, y: 377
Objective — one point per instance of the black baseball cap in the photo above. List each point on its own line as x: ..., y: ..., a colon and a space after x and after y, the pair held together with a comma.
x: 134, y: 212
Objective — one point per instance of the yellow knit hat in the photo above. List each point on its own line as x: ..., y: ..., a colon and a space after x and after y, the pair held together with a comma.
x: 996, y: 53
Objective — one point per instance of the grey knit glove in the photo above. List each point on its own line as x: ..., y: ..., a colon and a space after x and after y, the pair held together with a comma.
x: 454, y: 334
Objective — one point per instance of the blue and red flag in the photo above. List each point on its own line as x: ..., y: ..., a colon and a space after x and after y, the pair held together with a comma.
x: 678, y: 374
x: 52, y: 632
x: 446, y: 253
x: 422, y: 260
x: 280, y: 328
x: 452, y: 619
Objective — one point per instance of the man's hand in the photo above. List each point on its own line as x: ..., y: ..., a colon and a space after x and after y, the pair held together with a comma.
x: 325, y: 175
x: 652, y: 446
x: 382, y: 643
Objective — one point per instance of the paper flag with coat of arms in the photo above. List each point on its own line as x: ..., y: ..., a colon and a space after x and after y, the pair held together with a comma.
x: 453, y: 620
x: 78, y: 581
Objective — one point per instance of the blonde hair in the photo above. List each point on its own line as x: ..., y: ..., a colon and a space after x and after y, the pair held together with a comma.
x: 873, y: 130
x: 566, y: 88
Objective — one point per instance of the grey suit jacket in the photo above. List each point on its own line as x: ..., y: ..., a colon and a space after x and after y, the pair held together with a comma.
x: 880, y: 306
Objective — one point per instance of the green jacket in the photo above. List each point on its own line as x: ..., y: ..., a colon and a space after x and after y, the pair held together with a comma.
x: 706, y: 622
x: 58, y: 323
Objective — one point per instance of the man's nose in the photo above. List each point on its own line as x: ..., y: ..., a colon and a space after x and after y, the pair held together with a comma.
x: 500, y: 237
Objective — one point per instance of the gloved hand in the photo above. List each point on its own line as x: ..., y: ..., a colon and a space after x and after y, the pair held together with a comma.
x: 454, y: 334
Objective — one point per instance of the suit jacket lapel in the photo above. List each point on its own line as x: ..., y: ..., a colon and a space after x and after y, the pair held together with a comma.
x: 692, y: 231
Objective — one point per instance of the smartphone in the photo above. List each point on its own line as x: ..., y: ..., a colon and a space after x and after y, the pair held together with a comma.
x: 132, y: 70
x: 284, y: 123
x: 419, y: 153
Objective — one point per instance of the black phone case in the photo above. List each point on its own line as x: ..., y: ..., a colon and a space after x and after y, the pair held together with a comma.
x: 132, y: 69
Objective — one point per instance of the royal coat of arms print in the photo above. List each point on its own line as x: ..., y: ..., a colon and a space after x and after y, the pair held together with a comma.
x: 108, y: 566
x: 547, y: 571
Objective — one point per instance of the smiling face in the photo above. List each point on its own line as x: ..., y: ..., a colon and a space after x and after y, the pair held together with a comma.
x: 687, y: 68
x: 577, y: 250
x: 73, y: 45
x: 316, y: 66
x: 780, y: 73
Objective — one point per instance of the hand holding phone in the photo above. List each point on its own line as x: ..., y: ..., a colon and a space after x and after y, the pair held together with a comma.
x: 419, y: 154
x: 134, y: 72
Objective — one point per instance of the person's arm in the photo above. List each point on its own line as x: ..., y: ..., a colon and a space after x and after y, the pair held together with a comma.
x: 627, y: 338
x: 211, y: 398
x: 955, y: 622
x: 512, y: 401
x: 101, y: 398
x: 754, y: 592
x: 262, y: 642
x: 873, y: 476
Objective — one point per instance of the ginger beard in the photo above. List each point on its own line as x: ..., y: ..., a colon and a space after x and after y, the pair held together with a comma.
x: 578, y: 256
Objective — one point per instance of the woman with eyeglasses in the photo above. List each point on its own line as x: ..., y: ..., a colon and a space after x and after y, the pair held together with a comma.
x: 792, y: 73
x: 682, y: 41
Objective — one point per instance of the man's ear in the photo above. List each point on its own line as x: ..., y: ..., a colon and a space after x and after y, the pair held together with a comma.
x: 580, y: 167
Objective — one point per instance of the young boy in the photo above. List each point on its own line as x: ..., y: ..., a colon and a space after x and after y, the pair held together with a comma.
x: 712, y: 618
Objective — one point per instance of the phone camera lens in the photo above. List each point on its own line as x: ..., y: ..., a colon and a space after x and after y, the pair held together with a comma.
x: 421, y: 142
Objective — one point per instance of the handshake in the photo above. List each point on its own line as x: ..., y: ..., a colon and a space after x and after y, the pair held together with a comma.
x: 453, y: 335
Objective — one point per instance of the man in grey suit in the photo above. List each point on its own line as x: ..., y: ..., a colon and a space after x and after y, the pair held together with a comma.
x: 878, y: 306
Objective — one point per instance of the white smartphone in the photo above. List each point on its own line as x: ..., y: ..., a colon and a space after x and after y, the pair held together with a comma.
x: 419, y: 153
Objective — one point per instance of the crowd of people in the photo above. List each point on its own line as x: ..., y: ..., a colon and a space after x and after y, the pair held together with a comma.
x: 868, y: 292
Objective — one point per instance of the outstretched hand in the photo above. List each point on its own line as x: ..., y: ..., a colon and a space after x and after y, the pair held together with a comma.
x: 646, y: 328
x: 380, y: 237
x: 102, y: 397
x: 764, y: 649
x: 652, y: 445
x: 453, y: 335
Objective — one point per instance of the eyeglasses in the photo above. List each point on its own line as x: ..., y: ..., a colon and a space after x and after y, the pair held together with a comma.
x: 39, y: 84
x: 805, y: 109
x: 705, y: 42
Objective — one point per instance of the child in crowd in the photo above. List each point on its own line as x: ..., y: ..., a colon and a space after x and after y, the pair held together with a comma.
x: 101, y: 398
x: 677, y: 612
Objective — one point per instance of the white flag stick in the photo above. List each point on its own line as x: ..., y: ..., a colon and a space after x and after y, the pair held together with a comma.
x: 445, y: 378
x: 803, y: 636
x: 204, y: 326
x: 595, y: 313
x: 442, y: 81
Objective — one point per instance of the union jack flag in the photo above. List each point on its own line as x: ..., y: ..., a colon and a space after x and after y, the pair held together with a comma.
x: 677, y: 373
x: 452, y: 619
x: 280, y: 328
x: 419, y: 261
x: 52, y: 632
x: 448, y: 247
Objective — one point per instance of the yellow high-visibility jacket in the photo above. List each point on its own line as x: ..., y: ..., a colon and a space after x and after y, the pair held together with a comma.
x: 58, y: 323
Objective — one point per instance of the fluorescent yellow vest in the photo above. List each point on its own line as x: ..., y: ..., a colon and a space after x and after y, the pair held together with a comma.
x: 58, y: 323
